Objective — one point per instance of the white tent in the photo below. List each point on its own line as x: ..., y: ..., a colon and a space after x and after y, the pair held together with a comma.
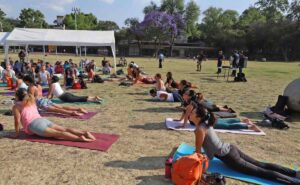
x: 3, y: 36
x: 78, y: 38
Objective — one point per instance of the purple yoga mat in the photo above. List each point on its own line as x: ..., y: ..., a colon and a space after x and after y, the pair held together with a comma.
x: 12, y: 93
x: 103, y: 142
x: 86, y: 116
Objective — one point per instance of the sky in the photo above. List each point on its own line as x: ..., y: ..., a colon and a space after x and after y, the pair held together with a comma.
x: 114, y: 10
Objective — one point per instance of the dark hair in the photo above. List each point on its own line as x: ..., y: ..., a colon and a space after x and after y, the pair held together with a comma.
x: 152, y: 91
x: 158, y: 75
x: 206, y: 116
x: 54, y: 79
x: 20, y: 75
x: 184, y: 82
x: 28, y: 78
x: 21, y: 93
x: 169, y: 74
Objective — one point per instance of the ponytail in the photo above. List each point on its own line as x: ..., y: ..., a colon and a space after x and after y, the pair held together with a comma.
x: 207, y: 117
x: 210, y: 118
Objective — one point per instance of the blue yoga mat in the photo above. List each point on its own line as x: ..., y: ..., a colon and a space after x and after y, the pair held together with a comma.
x: 217, y: 166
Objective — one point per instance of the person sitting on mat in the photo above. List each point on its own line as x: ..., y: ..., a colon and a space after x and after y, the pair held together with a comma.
x: 231, y: 155
x: 45, y: 104
x: 57, y: 91
x: 26, y: 114
x: 44, y: 76
x: 170, y: 82
x: 164, y: 96
x: 138, y: 77
x: 8, y: 73
x: 69, y: 78
x: 159, y: 85
x: 20, y: 82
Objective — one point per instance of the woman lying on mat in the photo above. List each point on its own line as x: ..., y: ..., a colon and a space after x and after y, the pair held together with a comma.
x: 231, y: 155
x: 138, y: 77
x: 159, y: 85
x: 26, y: 114
x: 45, y: 104
x: 170, y: 82
x: 164, y: 96
x: 57, y: 91
x: 211, y: 106
x: 20, y: 82
x: 190, y: 97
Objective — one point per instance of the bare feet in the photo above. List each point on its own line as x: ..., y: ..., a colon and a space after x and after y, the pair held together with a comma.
x: 90, y: 136
x: 83, y: 138
x: 254, y: 128
x: 98, y: 98
x: 82, y: 110
x: 76, y: 114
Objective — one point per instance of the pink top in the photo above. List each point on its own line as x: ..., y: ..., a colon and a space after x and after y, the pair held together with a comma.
x: 29, y: 114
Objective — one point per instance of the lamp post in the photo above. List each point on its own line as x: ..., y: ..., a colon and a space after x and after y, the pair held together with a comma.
x: 76, y: 11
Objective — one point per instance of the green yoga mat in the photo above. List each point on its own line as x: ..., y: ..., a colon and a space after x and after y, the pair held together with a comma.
x: 3, y: 85
x: 57, y: 101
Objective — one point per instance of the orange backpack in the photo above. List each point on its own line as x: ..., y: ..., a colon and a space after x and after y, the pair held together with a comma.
x: 188, y: 170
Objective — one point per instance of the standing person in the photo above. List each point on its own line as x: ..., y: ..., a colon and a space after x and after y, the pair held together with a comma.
x: 161, y: 58
x: 241, y: 63
x: 235, y: 62
x: 200, y: 59
x: 220, y: 61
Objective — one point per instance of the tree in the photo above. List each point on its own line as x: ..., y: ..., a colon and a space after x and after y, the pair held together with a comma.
x: 172, y: 6
x: 135, y: 31
x: 273, y: 9
x: 2, y: 14
x: 191, y: 17
x: 250, y: 16
x: 152, y: 7
x: 294, y: 11
x: 31, y: 18
x: 107, y: 25
x: 83, y: 21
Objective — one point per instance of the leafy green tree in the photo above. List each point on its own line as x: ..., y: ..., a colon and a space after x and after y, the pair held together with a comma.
x: 250, y: 16
x: 172, y: 6
x: 152, y: 7
x: 31, y: 18
x: 273, y: 9
x: 107, y: 25
x: 294, y: 11
x: 83, y: 21
x: 191, y: 16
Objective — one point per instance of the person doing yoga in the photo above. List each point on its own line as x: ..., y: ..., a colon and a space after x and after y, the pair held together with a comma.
x: 45, y: 104
x: 159, y: 85
x: 57, y: 91
x: 231, y: 155
x: 26, y: 114
x: 164, y: 96
x: 138, y: 77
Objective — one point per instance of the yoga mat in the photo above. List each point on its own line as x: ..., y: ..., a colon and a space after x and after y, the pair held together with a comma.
x: 103, y: 142
x: 217, y: 166
x: 58, y: 101
x: 12, y: 93
x: 170, y: 124
x: 225, y: 114
x: 86, y: 116
x: 3, y: 85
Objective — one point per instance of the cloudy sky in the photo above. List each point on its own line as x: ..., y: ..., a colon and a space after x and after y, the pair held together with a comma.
x: 115, y: 10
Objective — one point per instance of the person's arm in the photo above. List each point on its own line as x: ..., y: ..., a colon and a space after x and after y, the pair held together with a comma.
x: 163, y: 97
x: 17, y: 118
x: 18, y: 84
x: 188, y: 111
x: 199, y: 138
x: 50, y: 93
x: 48, y: 78
x: 159, y: 85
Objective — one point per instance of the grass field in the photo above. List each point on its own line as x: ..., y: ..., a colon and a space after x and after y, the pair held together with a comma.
x: 138, y: 156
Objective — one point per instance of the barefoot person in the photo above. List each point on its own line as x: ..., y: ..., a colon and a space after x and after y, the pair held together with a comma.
x: 45, y: 104
x: 57, y: 91
x: 26, y: 114
x: 231, y: 155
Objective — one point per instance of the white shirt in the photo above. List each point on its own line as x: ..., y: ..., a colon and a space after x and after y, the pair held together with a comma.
x: 57, y: 91
x: 44, y: 77
x: 170, y: 97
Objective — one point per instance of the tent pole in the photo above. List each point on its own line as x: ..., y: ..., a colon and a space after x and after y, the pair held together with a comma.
x: 6, y: 52
x: 26, y: 51
x: 85, y: 51
x: 80, y: 51
x: 114, y: 55
x: 44, y: 52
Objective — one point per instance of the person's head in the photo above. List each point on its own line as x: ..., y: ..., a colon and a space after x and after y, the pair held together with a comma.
x: 28, y: 80
x: 220, y: 52
x: 169, y: 75
x: 182, y: 84
x: 48, y: 64
x: 153, y: 92
x: 22, y: 96
x: 54, y: 79
x: 199, y: 97
x: 8, y: 67
x: 157, y: 76
x: 188, y: 95
x: 43, y: 67
x: 20, y: 75
x: 201, y: 115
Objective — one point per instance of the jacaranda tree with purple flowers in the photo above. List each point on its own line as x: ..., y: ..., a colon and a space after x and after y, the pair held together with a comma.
x: 161, y: 27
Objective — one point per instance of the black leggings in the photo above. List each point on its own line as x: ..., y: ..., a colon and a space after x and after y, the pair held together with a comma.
x: 241, y: 162
x: 68, y: 97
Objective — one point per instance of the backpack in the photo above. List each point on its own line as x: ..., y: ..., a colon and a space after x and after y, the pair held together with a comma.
x: 189, y: 169
x: 280, y: 107
x: 76, y: 86
x: 97, y: 79
x: 120, y: 72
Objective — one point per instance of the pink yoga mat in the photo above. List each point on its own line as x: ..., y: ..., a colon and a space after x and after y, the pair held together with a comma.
x: 86, y: 116
x: 103, y: 142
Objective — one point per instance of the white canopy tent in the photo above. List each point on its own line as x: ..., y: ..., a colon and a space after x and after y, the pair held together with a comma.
x: 3, y: 36
x: 43, y: 37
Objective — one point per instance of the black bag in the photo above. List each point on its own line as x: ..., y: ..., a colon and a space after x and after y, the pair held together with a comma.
x: 120, y: 72
x: 213, y: 179
x: 240, y: 77
x: 83, y: 84
x: 280, y: 107
x: 98, y: 79
x: 1, y: 127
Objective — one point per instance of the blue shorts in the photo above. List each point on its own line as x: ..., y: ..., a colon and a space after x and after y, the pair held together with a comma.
x: 39, y: 125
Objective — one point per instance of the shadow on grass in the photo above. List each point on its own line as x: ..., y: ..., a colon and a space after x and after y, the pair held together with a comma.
x: 139, y: 93
x: 294, y: 117
x: 150, y: 126
x: 252, y: 115
x: 215, y: 80
x: 154, y: 179
x: 158, y: 110
x: 143, y: 163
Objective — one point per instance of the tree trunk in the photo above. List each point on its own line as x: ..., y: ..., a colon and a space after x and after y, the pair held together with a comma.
x: 140, y: 47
